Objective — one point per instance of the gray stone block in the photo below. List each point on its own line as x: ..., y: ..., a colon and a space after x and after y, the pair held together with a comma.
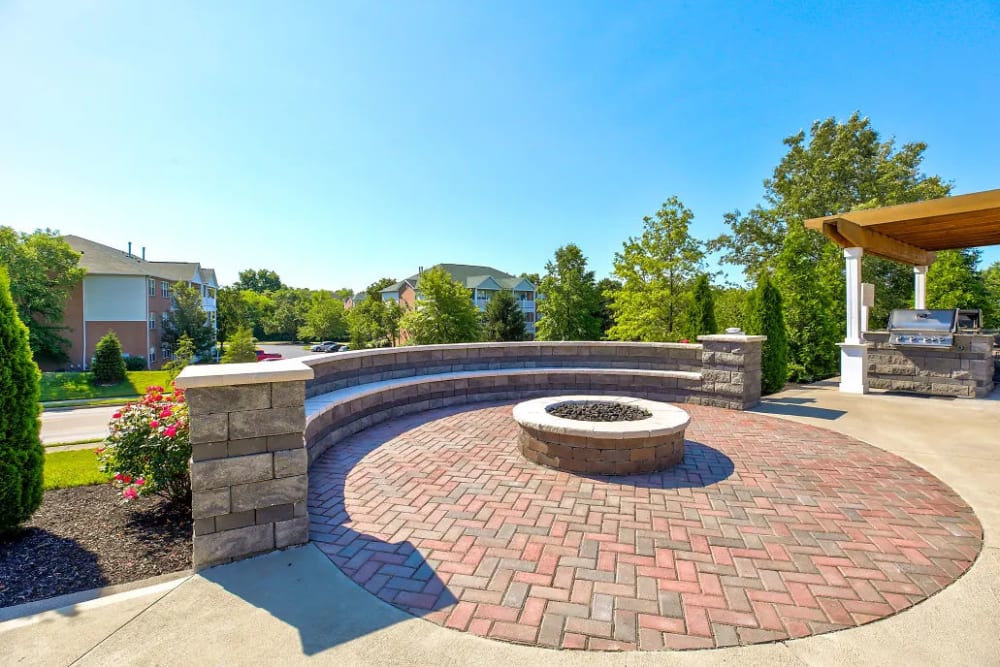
x: 227, y: 545
x: 288, y: 394
x: 290, y: 462
x: 247, y: 446
x: 275, y: 421
x: 234, y: 520
x: 229, y: 472
x: 211, y: 400
x: 207, y: 451
x: 209, y: 428
x: 276, y: 513
x: 292, y: 532
x: 287, y: 490
x: 206, y: 504
x: 204, y: 526
x: 286, y: 441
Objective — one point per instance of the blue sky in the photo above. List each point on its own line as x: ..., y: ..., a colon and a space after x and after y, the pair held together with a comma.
x: 338, y: 142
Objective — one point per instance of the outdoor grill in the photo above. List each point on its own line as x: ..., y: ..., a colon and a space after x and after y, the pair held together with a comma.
x: 923, y: 328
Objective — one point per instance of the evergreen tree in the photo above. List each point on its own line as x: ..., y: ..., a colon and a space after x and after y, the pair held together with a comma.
x: 699, y: 318
x: 764, y: 317
x: 109, y: 365
x: 21, y: 453
x: 503, y: 319
x: 241, y: 348
x: 188, y: 318
x: 608, y: 288
x: 444, y: 313
x: 569, y: 305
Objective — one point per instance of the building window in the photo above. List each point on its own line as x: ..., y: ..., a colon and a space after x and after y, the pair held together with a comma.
x: 165, y: 317
x: 529, y: 317
x: 152, y: 356
x: 164, y: 289
x: 152, y: 287
x: 152, y: 321
x: 165, y: 351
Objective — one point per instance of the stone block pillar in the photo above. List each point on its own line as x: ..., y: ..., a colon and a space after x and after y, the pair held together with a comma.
x: 248, y: 459
x: 731, y: 370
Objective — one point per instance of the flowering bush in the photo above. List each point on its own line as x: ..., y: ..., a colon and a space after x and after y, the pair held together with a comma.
x: 148, y: 447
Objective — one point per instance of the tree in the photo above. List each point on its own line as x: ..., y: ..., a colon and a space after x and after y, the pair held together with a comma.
x: 259, y: 308
x: 43, y: 270
x: 503, y: 319
x: 699, y: 317
x: 730, y: 307
x: 444, y: 313
x: 656, y: 271
x: 839, y: 167
x: 21, y: 453
x: 232, y: 311
x: 261, y: 281
x: 184, y: 355
x: 608, y: 288
x: 289, y: 315
x: 325, y: 318
x: 532, y: 278
x: 373, y: 322
x: 764, y: 317
x: 187, y: 318
x: 570, y: 309
x: 109, y: 365
x: 344, y: 293
x: 241, y: 348
x: 991, y: 280
x: 954, y: 281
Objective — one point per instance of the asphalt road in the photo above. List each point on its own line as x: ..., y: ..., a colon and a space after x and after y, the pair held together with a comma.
x: 286, y: 351
x: 76, y: 424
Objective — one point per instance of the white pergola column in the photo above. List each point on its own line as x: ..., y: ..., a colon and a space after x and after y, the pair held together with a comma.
x: 854, y: 351
x: 919, y: 286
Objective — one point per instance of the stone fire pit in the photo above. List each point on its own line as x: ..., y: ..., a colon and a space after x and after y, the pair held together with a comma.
x: 622, y: 447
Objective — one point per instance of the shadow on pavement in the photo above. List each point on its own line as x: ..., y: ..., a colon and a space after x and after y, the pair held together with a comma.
x: 702, y: 466
x: 796, y: 407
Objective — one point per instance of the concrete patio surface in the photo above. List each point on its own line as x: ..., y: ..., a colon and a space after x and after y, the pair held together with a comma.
x: 296, y: 607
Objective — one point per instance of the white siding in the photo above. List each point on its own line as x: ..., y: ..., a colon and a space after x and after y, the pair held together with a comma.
x: 114, y: 299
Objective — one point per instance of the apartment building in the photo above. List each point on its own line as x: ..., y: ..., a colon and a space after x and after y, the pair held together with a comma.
x: 481, y: 281
x: 125, y: 293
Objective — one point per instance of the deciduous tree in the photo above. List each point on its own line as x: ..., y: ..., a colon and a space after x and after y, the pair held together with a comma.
x: 241, y: 348
x: 954, y: 281
x: 571, y: 304
x: 325, y: 318
x: 656, y: 270
x: 444, y: 312
x: 188, y: 318
x: 43, y: 270
x: 259, y: 280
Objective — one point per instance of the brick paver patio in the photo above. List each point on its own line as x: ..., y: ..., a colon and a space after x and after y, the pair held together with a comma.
x: 768, y: 530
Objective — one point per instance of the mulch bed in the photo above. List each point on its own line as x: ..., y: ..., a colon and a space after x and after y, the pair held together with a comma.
x: 599, y: 411
x: 85, y: 537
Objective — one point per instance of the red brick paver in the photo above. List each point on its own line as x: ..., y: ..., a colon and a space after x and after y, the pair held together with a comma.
x: 768, y: 530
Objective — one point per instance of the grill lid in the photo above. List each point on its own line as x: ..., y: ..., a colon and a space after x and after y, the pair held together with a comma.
x: 938, y: 321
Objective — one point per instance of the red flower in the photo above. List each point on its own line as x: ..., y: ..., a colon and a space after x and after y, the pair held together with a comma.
x: 119, y: 476
x: 166, y: 412
x: 170, y: 431
x: 154, y: 424
x: 129, y: 493
x: 125, y: 479
x: 117, y: 415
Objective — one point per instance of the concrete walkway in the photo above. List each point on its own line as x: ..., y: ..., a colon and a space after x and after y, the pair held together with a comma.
x: 295, y: 607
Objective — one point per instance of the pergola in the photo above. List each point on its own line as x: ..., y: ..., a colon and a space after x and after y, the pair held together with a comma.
x: 908, y: 233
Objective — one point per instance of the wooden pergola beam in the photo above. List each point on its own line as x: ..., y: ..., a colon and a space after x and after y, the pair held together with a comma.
x: 846, y: 234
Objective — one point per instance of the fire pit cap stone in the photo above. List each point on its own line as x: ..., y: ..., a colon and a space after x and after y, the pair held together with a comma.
x: 666, y: 419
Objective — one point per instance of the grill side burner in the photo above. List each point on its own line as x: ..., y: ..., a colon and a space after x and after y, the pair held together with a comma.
x: 923, y: 328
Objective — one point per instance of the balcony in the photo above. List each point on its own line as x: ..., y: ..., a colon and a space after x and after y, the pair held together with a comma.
x: 207, y: 303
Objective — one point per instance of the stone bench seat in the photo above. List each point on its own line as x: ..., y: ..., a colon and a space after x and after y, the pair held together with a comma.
x: 335, y: 415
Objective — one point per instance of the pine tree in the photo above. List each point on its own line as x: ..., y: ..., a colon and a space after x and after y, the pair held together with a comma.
x: 503, y: 319
x: 109, y: 366
x: 21, y: 453
x: 764, y: 317
x: 699, y: 318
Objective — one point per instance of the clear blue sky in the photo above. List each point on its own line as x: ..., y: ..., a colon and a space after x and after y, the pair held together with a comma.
x: 339, y: 142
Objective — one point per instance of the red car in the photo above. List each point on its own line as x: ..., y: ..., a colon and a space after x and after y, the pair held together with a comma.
x: 265, y: 356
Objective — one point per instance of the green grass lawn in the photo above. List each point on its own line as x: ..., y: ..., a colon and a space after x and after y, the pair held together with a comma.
x: 69, y: 386
x: 73, y: 468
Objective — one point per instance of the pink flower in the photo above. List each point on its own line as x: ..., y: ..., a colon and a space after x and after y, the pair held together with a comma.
x: 154, y: 424
x: 166, y: 412
x: 170, y: 431
x: 119, y: 476
x: 129, y: 493
x: 99, y: 450
x: 139, y: 481
x: 117, y: 415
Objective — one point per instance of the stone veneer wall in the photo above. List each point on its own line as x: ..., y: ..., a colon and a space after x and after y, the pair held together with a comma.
x: 964, y: 370
x: 249, y: 464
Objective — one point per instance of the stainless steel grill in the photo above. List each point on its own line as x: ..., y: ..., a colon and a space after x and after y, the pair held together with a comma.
x: 923, y: 328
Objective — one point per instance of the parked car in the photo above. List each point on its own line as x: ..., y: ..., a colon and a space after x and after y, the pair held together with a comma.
x: 324, y: 346
x: 267, y: 356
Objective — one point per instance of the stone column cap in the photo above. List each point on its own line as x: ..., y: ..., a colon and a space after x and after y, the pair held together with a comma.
x: 224, y: 375
x: 732, y: 338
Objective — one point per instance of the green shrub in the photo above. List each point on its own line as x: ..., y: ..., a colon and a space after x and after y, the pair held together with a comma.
x: 21, y: 453
x: 764, y: 316
x: 699, y: 317
x: 109, y: 365
x: 135, y: 363
x: 148, y: 447
x: 240, y: 348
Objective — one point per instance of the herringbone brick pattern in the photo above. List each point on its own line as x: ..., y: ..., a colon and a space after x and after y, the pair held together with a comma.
x: 767, y: 530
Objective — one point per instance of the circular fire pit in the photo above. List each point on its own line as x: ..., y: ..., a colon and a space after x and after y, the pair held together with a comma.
x: 608, y: 435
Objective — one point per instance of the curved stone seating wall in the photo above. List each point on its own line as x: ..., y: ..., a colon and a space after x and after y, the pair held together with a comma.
x: 356, y: 390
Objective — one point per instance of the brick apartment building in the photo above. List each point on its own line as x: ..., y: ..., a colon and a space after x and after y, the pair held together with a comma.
x: 481, y: 281
x: 125, y: 293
